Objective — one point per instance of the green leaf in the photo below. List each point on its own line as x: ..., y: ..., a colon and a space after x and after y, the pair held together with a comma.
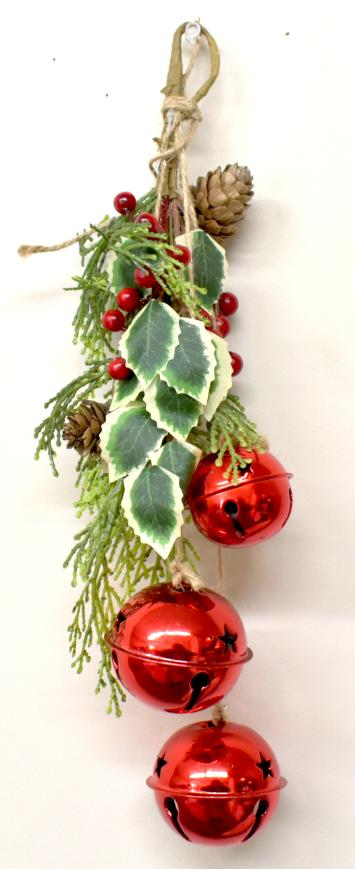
x: 209, y: 265
x: 127, y: 438
x: 172, y: 411
x: 153, y: 506
x: 120, y: 269
x: 179, y: 458
x: 192, y: 367
x: 125, y: 391
x: 222, y: 377
x: 149, y: 342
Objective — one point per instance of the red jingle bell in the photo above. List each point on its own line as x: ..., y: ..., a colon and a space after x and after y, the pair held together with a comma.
x: 243, y: 513
x: 216, y: 784
x: 178, y: 649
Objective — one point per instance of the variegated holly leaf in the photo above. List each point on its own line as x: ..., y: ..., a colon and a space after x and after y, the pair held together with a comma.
x: 125, y: 391
x: 209, y: 264
x: 191, y: 369
x: 152, y: 503
x: 149, y: 342
x: 176, y: 413
x: 222, y: 377
x: 179, y: 458
x: 127, y: 437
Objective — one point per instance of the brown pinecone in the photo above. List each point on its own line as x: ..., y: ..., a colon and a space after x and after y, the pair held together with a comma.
x: 82, y: 428
x: 220, y: 199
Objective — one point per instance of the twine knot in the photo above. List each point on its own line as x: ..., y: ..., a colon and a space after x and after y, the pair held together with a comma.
x: 188, y: 108
x: 219, y: 714
x: 182, y: 573
x: 181, y: 118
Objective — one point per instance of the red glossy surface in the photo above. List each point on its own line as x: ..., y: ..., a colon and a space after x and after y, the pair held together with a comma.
x: 183, y: 255
x: 124, y: 202
x: 118, y: 370
x: 237, y: 363
x: 222, y: 326
x: 144, y: 279
x: 128, y: 299
x: 228, y: 304
x: 178, y: 649
x: 113, y: 320
x: 249, y: 512
x: 216, y: 784
x: 150, y: 220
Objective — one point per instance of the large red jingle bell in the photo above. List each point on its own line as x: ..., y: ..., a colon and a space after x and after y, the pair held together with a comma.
x: 178, y: 649
x: 216, y: 784
x: 240, y: 514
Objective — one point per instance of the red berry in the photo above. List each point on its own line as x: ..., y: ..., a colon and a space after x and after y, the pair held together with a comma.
x: 149, y: 220
x: 222, y: 326
x: 118, y: 370
x: 124, y: 202
x: 113, y: 320
x: 183, y: 256
x: 219, y: 327
x: 144, y: 278
x: 228, y: 304
x: 128, y: 299
x: 237, y: 363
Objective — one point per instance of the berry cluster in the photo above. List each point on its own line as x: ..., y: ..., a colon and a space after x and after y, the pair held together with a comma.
x: 129, y: 298
x: 227, y: 305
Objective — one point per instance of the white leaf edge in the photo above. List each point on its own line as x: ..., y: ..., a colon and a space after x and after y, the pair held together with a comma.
x: 207, y: 343
x: 190, y: 448
x: 188, y: 241
x: 175, y: 337
x: 162, y: 550
x: 153, y: 410
x: 110, y: 421
x: 110, y: 258
x: 223, y: 373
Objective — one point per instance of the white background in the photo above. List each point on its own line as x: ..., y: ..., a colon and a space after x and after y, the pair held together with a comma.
x: 80, y: 104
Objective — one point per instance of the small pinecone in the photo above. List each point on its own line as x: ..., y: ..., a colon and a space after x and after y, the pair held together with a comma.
x: 220, y: 199
x: 82, y: 428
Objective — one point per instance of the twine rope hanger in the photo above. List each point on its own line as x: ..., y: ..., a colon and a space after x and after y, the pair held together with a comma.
x: 181, y: 117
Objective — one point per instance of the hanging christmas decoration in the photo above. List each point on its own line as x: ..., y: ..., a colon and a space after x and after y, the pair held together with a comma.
x: 160, y: 435
x: 178, y: 648
x: 216, y: 783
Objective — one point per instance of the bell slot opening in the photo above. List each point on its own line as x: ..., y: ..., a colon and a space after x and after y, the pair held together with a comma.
x: 231, y: 509
x: 261, y: 809
x: 172, y: 811
x: 198, y: 682
x: 119, y: 620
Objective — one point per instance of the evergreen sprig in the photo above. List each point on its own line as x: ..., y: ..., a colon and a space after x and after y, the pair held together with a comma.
x: 49, y: 432
x: 96, y: 294
x: 110, y: 562
x: 229, y: 430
